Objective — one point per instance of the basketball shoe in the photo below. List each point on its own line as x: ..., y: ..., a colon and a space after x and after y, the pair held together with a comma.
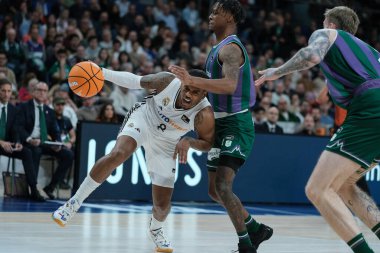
x: 246, y: 249
x: 159, y: 238
x: 65, y: 212
x: 263, y: 234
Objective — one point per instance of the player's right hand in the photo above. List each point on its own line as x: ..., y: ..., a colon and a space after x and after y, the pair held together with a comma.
x: 267, y: 75
x: 181, y: 150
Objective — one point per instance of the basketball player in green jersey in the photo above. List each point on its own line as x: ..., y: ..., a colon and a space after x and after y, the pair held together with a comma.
x: 231, y: 93
x: 352, y: 70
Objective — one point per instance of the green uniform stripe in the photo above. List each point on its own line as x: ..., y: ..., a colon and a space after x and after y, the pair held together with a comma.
x: 360, y: 55
x: 246, y: 88
x: 343, y: 68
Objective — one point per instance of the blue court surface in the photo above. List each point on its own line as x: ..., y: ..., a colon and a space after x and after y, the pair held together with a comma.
x: 22, y: 205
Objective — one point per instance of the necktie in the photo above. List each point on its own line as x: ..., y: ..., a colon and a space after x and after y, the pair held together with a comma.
x: 43, y: 129
x: 3, y: 123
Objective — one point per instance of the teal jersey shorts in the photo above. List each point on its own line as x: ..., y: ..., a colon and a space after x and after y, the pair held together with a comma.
x: 234, y: 136
x: 358, y: 139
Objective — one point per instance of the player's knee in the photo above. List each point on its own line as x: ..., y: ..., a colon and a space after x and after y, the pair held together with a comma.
x: 118, y: 154
x: 222, y: 188
x: 312, y: 191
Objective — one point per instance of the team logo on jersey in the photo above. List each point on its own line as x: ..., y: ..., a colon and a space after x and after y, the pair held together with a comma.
x: 165, y: 101
x: 185, y: 119
x: 228, y: 143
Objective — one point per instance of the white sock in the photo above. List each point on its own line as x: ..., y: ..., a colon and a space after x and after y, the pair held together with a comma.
x: 155, y: 224
x: 85, y: 189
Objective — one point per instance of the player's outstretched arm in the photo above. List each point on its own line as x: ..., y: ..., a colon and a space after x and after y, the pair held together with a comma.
x: 232, y: 58
x: 204, y: 125
x: 129, y: 80
x: 307, y: 57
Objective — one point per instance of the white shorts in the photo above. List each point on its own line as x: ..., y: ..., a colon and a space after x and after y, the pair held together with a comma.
x: 158, y: 151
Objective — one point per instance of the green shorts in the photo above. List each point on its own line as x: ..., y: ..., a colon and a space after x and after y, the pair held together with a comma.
x: 234, y: 136
x: 358, y: 139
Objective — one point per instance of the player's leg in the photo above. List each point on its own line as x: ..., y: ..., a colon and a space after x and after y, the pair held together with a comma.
x: 330, y: 173
x: 125, y: 146
x: 160, y: 210
x: 360, y: 203
x: 161, y: 168
x: 257, y: 232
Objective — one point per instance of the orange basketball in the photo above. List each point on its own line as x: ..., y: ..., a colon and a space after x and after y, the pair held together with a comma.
x: 86, y: 79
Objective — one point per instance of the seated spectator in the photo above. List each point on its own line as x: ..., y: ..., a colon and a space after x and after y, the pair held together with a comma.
x: 15, y: 52
x: 308, y: 126
x: 60, y: 69
x: 9, y: 74
x: 70, y: 107
x: 66, y: 130
x: 38, y: 124
x: 258, y: 115
x: 9, y: 139
x: 287, y: 120
x: 89, y: 111
x: 270, y: 125
x: 107, y: 114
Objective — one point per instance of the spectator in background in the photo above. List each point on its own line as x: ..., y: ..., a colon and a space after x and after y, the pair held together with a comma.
x: 92, y: 51
x: 258, y: 115
x: 89, y: 110
x: 35, y: 52
x: 66, y: 131
x: 10, y: 145
x: 190, y: 15
x: 25, y: 93
x: 270, y: 125
x: 123, y: 100
x: 287, y: 120
x: 8, y: 73
x: 14, y: 51
x: 308, y: 126
x: 38, y: 124
x: 107, y: 114
x: 60, y: 69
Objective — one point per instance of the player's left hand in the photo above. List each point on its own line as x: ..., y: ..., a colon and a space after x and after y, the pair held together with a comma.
x: 181, y: 150
x: 181, y: 74
x: 267, y: 75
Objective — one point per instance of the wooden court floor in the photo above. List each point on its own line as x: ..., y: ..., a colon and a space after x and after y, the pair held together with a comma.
x: 190, y: 232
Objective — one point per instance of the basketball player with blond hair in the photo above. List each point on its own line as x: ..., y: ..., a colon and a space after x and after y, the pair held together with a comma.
x: 352, y: 71
x: 157, y: 124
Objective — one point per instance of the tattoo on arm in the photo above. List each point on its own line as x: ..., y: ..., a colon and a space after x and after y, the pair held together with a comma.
x: 157, y: 81
x: 307, y: 57
x: 204, y: 124
x: 232, y: 58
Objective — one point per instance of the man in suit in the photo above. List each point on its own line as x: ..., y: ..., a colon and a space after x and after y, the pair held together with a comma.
x: 37, y: 125
x: 270, y: 126
x: 9, y: 139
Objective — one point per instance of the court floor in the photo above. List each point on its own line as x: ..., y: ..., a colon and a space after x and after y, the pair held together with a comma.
x: 121, y: 227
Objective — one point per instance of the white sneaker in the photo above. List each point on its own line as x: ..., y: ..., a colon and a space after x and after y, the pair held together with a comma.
x: 64, y: 213
x: 159, y: 238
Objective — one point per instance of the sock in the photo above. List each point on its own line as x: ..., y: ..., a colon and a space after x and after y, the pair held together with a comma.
x: 155, y: 224
x: 244, y: 238
x: 376, y: 230
x: 251, y: 224
x: 359, y: 245
x: 86, y: 188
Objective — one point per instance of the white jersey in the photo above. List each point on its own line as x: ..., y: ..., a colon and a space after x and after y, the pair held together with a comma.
x: 168, y: 120
x: 157, y: 125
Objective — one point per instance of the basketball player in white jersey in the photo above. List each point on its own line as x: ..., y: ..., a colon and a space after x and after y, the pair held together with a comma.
x: 157, y: 124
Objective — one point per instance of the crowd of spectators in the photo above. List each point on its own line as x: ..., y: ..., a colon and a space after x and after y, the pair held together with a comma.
x: 41, y: 41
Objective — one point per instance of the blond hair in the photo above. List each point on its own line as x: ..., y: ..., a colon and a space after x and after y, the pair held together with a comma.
x: 344, y: 18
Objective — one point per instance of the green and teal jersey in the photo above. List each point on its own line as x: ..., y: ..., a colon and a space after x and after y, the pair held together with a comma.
x: 351, y: 67
x: 244, y: 95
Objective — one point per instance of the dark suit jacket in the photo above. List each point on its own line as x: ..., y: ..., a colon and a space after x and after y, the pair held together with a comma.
x: 264, y: 128
x: 11, y: 131
x: 25, y: 121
